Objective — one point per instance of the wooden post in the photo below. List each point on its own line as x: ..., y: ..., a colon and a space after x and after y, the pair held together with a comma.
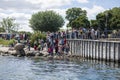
x: 106, y: 45
x: 92, y: 49
x: 109, y: 51
x: 114, y: 51
x: 74, y: 46
x: 118, y: 52
x: 95, y: 49
x: 87, y: 49
x: 82, y: 48
x: 101, y: 51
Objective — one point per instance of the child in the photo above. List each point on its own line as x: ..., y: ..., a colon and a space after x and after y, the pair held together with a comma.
x: 50, y: 50
x: 35, y: 47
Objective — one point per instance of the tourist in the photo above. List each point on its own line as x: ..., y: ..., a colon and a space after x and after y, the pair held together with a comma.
x: 50, y: 50
x: 61, y: 45
x: 35, y: 45
x: 39, y: 47
x: 42, y: 44
x: 28, y: 44
x: 56, y: 45
x: 67, y: 48
x: 93, y: 33
x: 96, y: 34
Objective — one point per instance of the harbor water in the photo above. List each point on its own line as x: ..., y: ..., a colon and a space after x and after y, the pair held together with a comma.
x: 22, y: 68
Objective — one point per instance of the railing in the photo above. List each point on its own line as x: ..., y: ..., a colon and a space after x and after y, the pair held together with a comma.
x: 95, y: 49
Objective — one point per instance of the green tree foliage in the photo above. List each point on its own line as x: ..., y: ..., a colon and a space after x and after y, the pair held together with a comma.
x: 2, y: 29
x: 109, y: 19
x: 81, y: 21
x: 94, y: 24
x: 36, y: 36
x: 9, y: 25
x: 46, y: 21
x: 76, y: 17
x: 74, y: 13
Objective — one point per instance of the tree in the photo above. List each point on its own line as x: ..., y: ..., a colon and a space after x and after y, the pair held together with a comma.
x: 109, y: 19
x: 9, y: 25
x: 81, y: 21
x: 94, y: 24
x: 2, y: 29
x: 73, y: 13
x: 46, y: 21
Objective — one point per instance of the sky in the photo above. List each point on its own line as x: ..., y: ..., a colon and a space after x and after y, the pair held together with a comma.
x: 22, y: 10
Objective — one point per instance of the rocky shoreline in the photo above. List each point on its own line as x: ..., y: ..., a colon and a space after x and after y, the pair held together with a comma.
x: 8, y: 51
x: 20, y: 50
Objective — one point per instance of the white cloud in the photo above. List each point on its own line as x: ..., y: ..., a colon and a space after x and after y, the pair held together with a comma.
x: 2, y: 15
x: 50, y: 3
x: 1, y: 9
x: 22, y: 13
x: 25, y: 28
x: 83, y: 1
x: 92, y: 12
x: 60, y: 11
x: 21, y: 18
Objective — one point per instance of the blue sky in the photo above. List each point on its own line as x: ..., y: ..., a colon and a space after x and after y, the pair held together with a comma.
x: 104, y: 3
x: 22, y: 10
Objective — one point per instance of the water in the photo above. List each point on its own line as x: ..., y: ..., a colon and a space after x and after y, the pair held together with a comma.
x: 14, y: 68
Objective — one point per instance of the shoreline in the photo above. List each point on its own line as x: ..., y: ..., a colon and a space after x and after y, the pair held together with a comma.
x: 10, y: 51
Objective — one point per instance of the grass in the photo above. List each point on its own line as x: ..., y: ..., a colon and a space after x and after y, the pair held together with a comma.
x: 6, y: 42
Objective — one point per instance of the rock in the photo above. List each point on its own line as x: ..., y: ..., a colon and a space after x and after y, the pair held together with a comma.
x: 20, y: 52
x: 45, y: 53
x: 4, y: 54
x: 14, y: 53
x: 30, y: 53
x: 19, y: 46
x: 50, y: 57
x: 39, y: 54
x: 11, y: 49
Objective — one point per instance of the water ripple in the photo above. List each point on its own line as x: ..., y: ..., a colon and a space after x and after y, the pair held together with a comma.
x: 15, y: 68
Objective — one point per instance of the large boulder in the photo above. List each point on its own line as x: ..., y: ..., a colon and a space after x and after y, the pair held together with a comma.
x: 19, y: 46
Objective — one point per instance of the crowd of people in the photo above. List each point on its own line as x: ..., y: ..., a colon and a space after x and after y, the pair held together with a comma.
x: 8, y: 36
x: 56, y: 41
x: 55, y: 44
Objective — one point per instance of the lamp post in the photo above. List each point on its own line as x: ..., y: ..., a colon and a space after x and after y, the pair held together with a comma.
x: 106, y: 31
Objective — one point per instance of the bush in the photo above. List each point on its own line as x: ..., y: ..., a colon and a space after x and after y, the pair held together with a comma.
x: 7, y: 42
x: 36, y: 36
x: 11, y: 42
